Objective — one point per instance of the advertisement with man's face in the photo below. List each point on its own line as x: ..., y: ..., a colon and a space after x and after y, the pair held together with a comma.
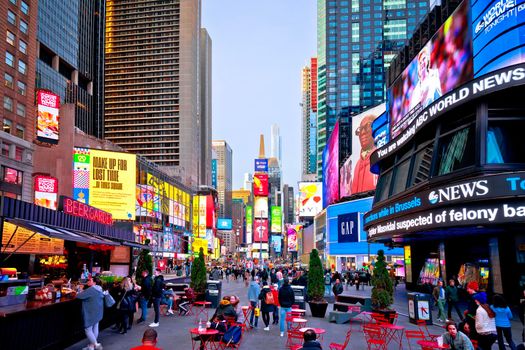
x: 443, y: 64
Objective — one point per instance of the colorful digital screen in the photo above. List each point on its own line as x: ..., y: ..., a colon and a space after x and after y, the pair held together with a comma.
x: 260, y: 207
x: 331, y: 168
x: 443, y: 64
x: 224, y: 224
x: 498, y: 31
x: 276, y: 243
x: 292, y: 239
x: 48, y: 105
x: 261, y: 165
x: 277, y: 218
x: 260, y: 231
x: 310, y: 198
x: 260, y: 185
x: 46, y: 191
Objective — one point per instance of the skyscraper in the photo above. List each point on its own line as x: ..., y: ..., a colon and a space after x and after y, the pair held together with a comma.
x: 70, y: 57
x: 152, y: 82
x: 309, y: 121
x: 224, y: 177
x: 356, y: 40
x: 205, y: 107
x: 288, y: 204
x: 276, y: 141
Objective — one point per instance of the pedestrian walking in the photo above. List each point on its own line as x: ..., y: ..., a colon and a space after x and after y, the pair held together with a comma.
x: 485, y: 322
x: 286, y: 300
x: 156, y: 296
x: 503, y: 318
x: 92, y: 311
x: 451, y: 293
x: 126, y: 300
x: 439, y: 298
x: 267, y: 304
x: 145, y: 295
x: 275, y: 291
x: 253, y: 296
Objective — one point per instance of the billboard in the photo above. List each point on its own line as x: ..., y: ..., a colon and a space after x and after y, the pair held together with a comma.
x: 260, y: 208
x: 498, y: 38
x: 200, y: 243
x: 443, y: 64
x: 224, y: 224
x: 276, y: 243
x: 260, y: 185
x: 47, y: 129
x: 277, y: 219
x: 261, y: 165
x: 260, y: 231
x: 214, y: 173
x: 292, y: 239
x: 249, y: 223
x: 331, y: 168
x: 310, y: 198
x: 106, y: 180
x: 348, y: 227
x: 345, y: 178
x: 202, y: 216
x: 46, y: 191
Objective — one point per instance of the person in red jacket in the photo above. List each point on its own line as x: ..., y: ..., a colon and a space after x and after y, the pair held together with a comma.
x: 275, y: 293
x: 149, y: 341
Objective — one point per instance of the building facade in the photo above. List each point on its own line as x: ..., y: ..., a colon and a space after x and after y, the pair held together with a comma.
x: 309, y: 121
x: 356, y: 40
x: 224, y: 177
x: 205, y: 61
x: 238, y: 220
x: 152, y: 82
x: 288, y: 204
x: 276, y: 144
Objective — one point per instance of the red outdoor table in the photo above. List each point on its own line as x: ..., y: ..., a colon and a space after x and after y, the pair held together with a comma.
x: 393, y: 333
x: 431, y: 345
x: 246, y: 314
x: 206, y: 338
x: 203, y: 310
x: 318, y: 331
x: 301, y: 312
x: 297, y: 323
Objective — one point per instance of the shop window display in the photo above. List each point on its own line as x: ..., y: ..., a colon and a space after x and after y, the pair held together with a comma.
x: 455, y: 151
x: 430, y: 272
x: 505, y: 141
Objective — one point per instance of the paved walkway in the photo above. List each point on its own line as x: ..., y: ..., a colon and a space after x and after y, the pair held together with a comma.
x: 174, y: 330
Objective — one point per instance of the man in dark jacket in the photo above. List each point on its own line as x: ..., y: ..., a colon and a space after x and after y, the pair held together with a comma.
x: 156, y: 295
x: 286, y: 300
x: 145, y: 294
x: 310, y: 341
x: 338, y: 288
x: 451, y: 293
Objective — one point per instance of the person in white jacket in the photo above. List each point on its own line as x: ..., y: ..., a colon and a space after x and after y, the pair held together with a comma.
x: 485, y: 322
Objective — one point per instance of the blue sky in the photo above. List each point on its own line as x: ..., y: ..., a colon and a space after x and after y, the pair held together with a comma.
x: 259, y: 48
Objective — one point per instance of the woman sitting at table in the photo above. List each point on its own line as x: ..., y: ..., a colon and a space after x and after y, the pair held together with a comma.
x: 456, y: 339
x: 225, y: 309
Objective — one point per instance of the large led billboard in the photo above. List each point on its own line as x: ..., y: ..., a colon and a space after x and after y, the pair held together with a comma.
x: 260, y: 207
x: 46, y: 191
x: 260, y: 185
x: 224, y: 224
x: 498, y: 36
x: 105, y: 180
x: 260, y: 231
x: 443, y: 64
x: 310, y: 198
x: 277, y: 218
x: 276, y: 243
x: 261, y: 165
x: 331, y: 168
x: 249, y: 223
x: 48, y: 105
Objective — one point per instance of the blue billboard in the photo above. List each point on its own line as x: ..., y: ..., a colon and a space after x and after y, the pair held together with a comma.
x: 214, y: 173
x: 224, y: 224
x: 276, y: 243
x: 498, y: 34
x: 261, y: 165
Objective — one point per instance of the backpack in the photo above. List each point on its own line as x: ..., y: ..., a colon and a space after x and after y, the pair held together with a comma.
x: 327, y: 280
x: 232, y: 335
x: 268, y: 299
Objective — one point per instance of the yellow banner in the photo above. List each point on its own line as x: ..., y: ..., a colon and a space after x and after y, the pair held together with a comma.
x: 195, y: 216
x: 200, y: 243
x: 112, y: 183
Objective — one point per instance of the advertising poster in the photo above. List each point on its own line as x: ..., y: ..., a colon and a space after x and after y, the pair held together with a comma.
x: 260, y: 185
x: 260, y: 207
x: 249, y: 223
x: 106, y: 180
x: 209, y: 238
x: 46, y: 191
x: 277, y: 218
x: 348, y: 228
x: 331, y: 168
x: 260, y: 231
x: 224, y: 224
x: 443, y: 64
x: 261, y: 165
x: 35, y: 243
x: 202, y: 216
x: 276, y: 243
x: 498, y: 34
x: 361, y: 179
x: 310, y: 198
x: 292, y: 239
x: 200, y: 243
x: 345, y: 178
x: 195, y: 216
x: 48, y: 105
x: 214, y: 173
x: 210, y: 212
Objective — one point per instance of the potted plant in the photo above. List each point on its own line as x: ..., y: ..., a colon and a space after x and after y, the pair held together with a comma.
x: 318, y: 304
x: 382, y: 290
x: 198, y: 276
x: 145, y: 263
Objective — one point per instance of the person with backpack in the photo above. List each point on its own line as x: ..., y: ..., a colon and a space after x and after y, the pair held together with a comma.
x: 275, y: 291
x: 327, y: 284
x: 156, y: 296
x: 253, y: 296
x: 267, y: 304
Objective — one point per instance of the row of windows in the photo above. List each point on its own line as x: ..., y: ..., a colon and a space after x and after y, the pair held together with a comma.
x: 10, y: 61
x: 9, y: 105
x: 11, y: 40
x: 22, y: 25
x: 19, y: 131
x: 24, y: 7
x: 9, y: 82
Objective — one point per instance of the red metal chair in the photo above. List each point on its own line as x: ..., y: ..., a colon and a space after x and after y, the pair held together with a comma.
x: 374, y: 337
x: 410, y: 335
x: 294, y: 338
x: 422, y: 325
x: 337, y: 346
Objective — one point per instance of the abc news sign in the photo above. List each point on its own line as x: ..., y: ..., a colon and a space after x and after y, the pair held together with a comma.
x: 459, y: 200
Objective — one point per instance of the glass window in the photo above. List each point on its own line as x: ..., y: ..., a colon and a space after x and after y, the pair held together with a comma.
x: 7, y: 126
x: 20, y: 131
x: 13, y: 2
x: 8, y: 81
x: 24, y: 7
x: 22, y: 68
x: 12, y: 176
x: 10, y: 38
x: 22, y: 46
x: 11, y: 17
x: 23, y: 26
x: 21, y: 88
x: 9, y: 59
x: 21, y: 109
x: 383, y: 186
x: 8, y: 103
x: 505, y: 141
x: 18, y: 153
x: 400, y: 179
x: 455, y: 151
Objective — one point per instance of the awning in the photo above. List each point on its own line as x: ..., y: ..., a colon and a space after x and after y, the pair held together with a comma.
x: 60, y: 233
x: 135, y: 245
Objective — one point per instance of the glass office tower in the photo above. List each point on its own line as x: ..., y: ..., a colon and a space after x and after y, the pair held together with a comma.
x: 356, y: 40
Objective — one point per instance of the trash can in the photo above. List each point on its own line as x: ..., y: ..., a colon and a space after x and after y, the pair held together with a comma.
x: 300, y: 296
x: 419, y: 308
x: 213, y: 292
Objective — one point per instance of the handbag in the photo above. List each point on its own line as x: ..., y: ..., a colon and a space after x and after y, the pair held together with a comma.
x: 108, y: 300
x: 121, y: 300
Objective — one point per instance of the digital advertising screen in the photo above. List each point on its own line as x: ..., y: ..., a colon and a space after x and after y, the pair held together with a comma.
x: 331, y: 168
x: 310, y: 198
x: 277, y: 218
x: 498, y: 28
x: 292, y: 239
x: 345, y: 178
x: 260, y: 207
x: 48, y: 105
x: 224, y: 224
x: 249, y: 223
x: 46, y: 191
x: 260, y: 231
x: 260, y: 184
x: 443, y: 64
x: 276, y: 243
x: 261, y: 165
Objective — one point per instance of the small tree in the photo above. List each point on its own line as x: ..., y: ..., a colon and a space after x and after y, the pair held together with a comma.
x: 198, y: 273
x: 145, y: 263
x: 315, y: 277
x: 382, y: 291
